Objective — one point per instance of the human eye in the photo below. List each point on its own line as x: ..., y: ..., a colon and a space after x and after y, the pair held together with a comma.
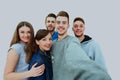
x: 58, y: 22
x: 53, y: 21
x: 64, y: 22
x: 48, y: 21
x: 50, y: 39
x: 81, y: 26
x: 44, y: 39
x: 28, y: 32
x: 22, y: 32
x: 75, y: 26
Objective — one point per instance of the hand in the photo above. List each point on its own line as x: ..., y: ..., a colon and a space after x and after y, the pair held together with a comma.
x: 37, y: 71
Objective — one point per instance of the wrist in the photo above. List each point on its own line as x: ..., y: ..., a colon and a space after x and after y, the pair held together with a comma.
x: 28, y: 74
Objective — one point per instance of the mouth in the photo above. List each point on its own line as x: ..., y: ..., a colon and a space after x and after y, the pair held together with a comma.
x: 60, y: 29
x: 26, y: 38
x: 48, y: 46
x: 50, y: 26
x: 78, y: 31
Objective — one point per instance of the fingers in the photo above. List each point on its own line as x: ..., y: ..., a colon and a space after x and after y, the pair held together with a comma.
x: 42, y: 66
x: 34, y: 65
x: 38, y: 71
x: 41, y: 73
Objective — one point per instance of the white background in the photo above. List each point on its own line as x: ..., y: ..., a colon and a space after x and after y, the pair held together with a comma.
x: 102, y: 23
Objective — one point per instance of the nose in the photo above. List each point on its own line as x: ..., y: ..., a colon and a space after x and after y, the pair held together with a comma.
x: 49, y: 42
x: 50, y: 24
x: 60, y: 25
x: 26, y: 34
x: 78, y: 27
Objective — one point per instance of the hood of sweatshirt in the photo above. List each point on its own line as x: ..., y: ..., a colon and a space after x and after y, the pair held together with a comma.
x: 86, y: 39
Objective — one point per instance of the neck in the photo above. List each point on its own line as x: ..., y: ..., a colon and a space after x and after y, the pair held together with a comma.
x: 81, y: 37
x: 23, y: 42
x: 52, y: 32
x: 61, y: 36
x: 42, y: 49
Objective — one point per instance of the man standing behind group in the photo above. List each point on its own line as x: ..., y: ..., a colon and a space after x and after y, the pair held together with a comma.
x: 70, y: 62
x: 50, y: 22
x: 88, y: 44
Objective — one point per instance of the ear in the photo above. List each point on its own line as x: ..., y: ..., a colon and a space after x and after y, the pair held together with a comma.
x: 72, y: 29
x: 37, y: 42
x: 68, y: 25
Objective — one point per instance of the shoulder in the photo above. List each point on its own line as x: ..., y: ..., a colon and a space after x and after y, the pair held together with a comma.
x: 18, y: 47
x: 56, y: 32
x: 36, y: 58
x: 93, y: 43
x: 72, y: 39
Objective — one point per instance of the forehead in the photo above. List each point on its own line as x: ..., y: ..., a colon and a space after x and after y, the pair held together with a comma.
x: 61, y: 18
x: 78, y: 22
x: 51, y: 18
x: 47, y: 36
x: 24, y: 28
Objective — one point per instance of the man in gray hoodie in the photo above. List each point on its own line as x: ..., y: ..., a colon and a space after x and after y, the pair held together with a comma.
x: 89, y: 45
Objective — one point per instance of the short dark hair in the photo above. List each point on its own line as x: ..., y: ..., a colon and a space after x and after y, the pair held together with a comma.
x: 64, y: 14
x: 50, y: 15
x: 79, y: 19
x: 41, y: 33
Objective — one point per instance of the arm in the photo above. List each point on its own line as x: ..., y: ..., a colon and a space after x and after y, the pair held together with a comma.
x: 99, y: 57
x: 78, y: 64
x: 10, y: 74
x: 37, y: 59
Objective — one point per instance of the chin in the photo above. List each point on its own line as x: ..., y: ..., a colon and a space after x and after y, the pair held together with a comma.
x: 78, y: 35
x: 26, y: 41
x: 47, y: 49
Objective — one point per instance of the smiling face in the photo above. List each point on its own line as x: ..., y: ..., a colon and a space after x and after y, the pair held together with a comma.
x: 78, y: 28
x: 45, y: 43
x: 24, y: 34
x: 50, y: 23
x: 62, y: 25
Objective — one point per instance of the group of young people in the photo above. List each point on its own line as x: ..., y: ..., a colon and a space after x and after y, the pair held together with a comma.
x: 54, y: 55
